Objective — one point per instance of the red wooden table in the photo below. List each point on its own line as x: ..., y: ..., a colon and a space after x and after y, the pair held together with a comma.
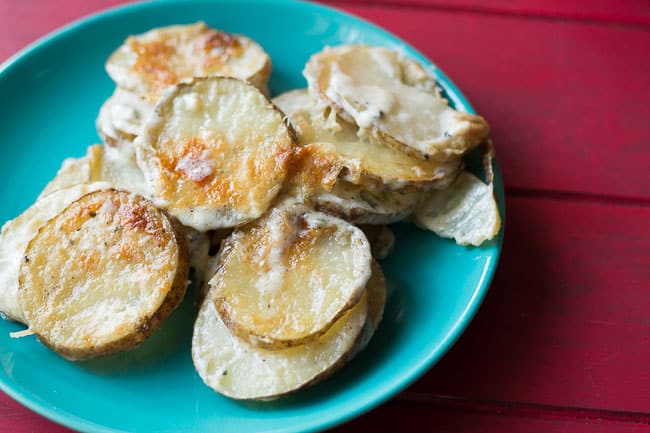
x: 562, y: 341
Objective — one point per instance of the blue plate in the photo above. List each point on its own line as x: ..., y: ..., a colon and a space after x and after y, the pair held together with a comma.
x: 51, y: 93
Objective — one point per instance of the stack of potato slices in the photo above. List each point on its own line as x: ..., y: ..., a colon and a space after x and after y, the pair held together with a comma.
x: 279, y: 207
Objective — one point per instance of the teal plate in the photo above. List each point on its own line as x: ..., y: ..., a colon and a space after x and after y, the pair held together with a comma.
x: 51, y: 93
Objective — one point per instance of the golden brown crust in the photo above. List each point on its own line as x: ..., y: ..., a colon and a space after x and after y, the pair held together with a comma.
x: 79, y: 271
x: 203, y: 170
x: 149, y: 63
x: 444, y: 147
x: 288, y: 301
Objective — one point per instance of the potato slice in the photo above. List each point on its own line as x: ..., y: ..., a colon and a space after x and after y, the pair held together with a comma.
x: 465, y: 211
x: 235, y: 368
x: 17, y: 233
x: 364, y: 161
x: 286, y: 278
x: 121, y: 118
x: 393, y: 99
x: 118, y: 167
x: 149, y: 63
x: 215, y: 153
x: 366, y: 206
x: 73, y: 171
x: 102, y: 275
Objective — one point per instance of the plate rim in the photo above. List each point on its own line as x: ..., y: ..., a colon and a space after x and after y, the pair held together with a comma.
x: 380, y: 394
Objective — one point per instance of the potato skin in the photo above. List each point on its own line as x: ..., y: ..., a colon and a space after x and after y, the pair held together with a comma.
x: 148, y: 322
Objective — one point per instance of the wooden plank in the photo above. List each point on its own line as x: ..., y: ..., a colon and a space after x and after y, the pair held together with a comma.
x: 635, y: 12
x: 15, y: 418
x: 566, y: 320
x: 567, y: 101
x: 395, y: 417
x: 25, y: 21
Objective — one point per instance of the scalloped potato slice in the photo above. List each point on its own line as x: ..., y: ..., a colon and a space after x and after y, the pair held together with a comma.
x: 121, y: 118
x: 465, y: 211
x: 102, y: 275
x: 73, y: 171
x: 17, y: 233
x: 361, y: 205
x: 363, y: 161
x: 148, y: 63
x: 215, y: 153
x: 233, y: 367
x: 393, y: 99
x: 286, y: 278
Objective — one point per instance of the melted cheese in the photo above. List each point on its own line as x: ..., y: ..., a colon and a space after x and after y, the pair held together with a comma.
x: 215, y: 153
x: 393, y: 99
x: 287, y: 277
x: 365, y: 161
x: 149, y: 63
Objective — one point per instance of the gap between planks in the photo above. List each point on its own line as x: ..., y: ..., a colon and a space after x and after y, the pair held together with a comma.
x: 519, y: 409
x: 488, y: 10
x: 581, y: 197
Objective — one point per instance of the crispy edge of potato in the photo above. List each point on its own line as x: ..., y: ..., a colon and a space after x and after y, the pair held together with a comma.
x: 148, y: 324
x: 473, y: 134
x: 135, y: 83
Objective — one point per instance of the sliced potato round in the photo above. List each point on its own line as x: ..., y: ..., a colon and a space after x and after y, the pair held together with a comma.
x: 17, y: 233
x: 366, y: 206
x: 393, y: 99
x: 285, y: 279
x: 215, y: 152
x: 363, y: 161
x: 465, y: 211
x: 102, y: 275
x: 121, y: 118
x: 235, y: 368
x: 149, y: 63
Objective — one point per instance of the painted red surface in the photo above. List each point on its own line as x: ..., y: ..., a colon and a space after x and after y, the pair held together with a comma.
x: 635, y: 12
x: 562, y: 342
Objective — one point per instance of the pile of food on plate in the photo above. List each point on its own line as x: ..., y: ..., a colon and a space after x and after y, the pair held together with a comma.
x: 279, y: 206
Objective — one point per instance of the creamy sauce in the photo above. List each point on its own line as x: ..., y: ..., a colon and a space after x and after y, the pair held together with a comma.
x: 196, y: 168
x: 368, y: 84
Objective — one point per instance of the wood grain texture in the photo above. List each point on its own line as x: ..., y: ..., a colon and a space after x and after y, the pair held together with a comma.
x: 566, y: 320
x: 636, y: 12
x: 445, y: 418
x: 27, y: 21
x: 15, y: 418
x: 567, y: 101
